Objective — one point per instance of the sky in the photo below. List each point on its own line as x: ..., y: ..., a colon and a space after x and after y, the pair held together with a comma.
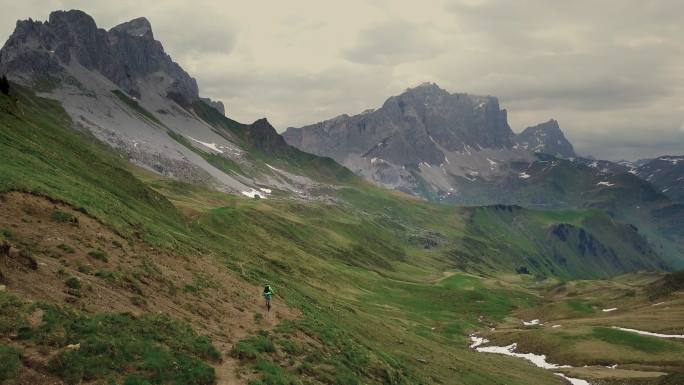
x: 610, y: 71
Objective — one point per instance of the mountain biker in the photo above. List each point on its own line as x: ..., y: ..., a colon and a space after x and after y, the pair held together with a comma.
x: 268, y: 295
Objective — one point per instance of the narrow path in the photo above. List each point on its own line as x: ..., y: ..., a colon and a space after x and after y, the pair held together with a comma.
x: 226, y: 371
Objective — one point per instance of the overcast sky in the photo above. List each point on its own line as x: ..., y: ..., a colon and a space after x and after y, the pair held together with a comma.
x: 611, y: 72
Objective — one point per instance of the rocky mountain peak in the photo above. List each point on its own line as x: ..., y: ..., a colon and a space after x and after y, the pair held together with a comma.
x: 73, y: 19
x: 426, y: 88
x: 127, y: 54
x: 423, y: 125
x: 262, y: 135
x: 546, y: 138
x: 137, y: 27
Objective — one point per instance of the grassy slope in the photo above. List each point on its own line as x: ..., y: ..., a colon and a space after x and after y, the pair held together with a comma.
x: 558, y: 183
x: 583, y: 333
x: 281, y: 156
x: 372, y: 295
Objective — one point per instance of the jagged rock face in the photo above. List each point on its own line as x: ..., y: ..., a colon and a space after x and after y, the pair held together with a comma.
x: 546, y: 138
x: 125, y: 55
x: 263, y: 136
x: 666, y: 173
x: 426, y: 141
x: 216, y: 104
x: 416, y: 126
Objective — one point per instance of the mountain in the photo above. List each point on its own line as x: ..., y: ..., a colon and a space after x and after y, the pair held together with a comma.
x: 122, y: 86
x: 424, y: 141
x: 546, y: 138
x: 458, y: 148
x: 667, y: 173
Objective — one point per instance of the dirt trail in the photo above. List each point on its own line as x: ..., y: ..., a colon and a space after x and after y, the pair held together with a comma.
x: 133, y: 277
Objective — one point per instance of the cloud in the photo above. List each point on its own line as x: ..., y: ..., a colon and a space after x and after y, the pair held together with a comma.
x: 615, y: 84
x: 392, y: 42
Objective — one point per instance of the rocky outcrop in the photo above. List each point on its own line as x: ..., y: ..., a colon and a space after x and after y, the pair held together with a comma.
x: 126, y: 54
x: 419, y: 125
x: 263, y: 136
x: 216, y: 104
x: 546, y: 138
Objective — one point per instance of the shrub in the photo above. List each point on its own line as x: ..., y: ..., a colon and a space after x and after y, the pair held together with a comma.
x: 100, y: 255
x: 291, y: 347
x: 272, y: 374
x: 249, y: 348
x: 73, y: 283
x: 66, y: 248
x: 64, y: 217
x: 10, y: 360
x: 106, y: 275
x: 11, y: 314
x: 6, y: 233
x: 69, y: 365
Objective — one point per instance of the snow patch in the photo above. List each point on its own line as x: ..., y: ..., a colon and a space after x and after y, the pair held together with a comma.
x: 605, y: 183
x: 650, y: 333
x: 273, y: 168
x: 573, y: 381
x: 524, y: 175
x: 609, y: 310
x: 213, y: 146
x: 252, y: 193
x: 538, y: 360
x: 531, y: 323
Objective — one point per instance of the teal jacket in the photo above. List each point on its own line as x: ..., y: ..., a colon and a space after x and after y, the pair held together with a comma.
x: 268, y: 293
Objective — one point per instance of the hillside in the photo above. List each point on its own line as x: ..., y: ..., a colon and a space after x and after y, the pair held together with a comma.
x: 666, y: 172
x: 156, y: 244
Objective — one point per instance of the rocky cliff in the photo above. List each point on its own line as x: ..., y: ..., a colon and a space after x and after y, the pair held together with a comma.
x: 546, y: 138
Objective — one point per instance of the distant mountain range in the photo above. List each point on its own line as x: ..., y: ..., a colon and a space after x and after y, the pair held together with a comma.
x: 459, y: 148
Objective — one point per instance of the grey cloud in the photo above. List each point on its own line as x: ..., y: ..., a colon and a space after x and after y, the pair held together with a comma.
x: 392, y: 42
x: 611, y: 72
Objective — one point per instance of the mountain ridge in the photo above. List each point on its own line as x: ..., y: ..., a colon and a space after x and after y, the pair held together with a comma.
x: 122, y: 86
x: 429, y: 142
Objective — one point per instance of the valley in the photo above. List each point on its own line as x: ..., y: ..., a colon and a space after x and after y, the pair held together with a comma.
x: 139, y: 224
